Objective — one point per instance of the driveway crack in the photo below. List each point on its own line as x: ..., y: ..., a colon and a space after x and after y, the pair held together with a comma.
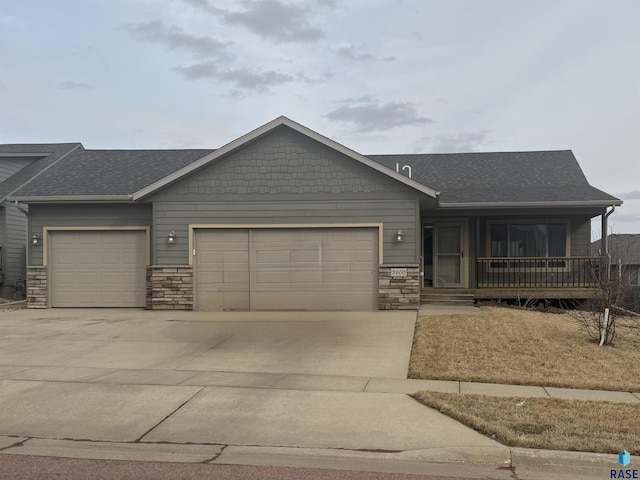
x: 216, y: 456
x: 14, y: 445
x: 138, y: 440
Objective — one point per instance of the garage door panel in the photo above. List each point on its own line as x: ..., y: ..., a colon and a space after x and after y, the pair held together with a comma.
x: 305, y: 255
x: 325, y: 281
x: 222, y: 270
x: 102, y: 268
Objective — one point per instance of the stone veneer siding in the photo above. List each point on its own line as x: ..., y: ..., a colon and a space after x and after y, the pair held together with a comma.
x: 170, y: 287
x: 37, y: 287
x: 399, y: 293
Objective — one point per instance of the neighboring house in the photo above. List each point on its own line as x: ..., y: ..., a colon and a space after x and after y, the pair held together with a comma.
x: 625, y: 257
x: 284, y: 218
x: 18, y: 165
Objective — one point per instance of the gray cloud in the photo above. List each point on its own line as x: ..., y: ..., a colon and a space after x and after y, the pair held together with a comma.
x: 366, y: 113
x: 71, y: 85
x: 461, y: 142
x: 175, y: 38
x: 250, y: 80
x: 203, y: 5
x: 632, y: 195
x: 352, y: 53
x: 198, y: 71
x: 625, y: 217
x: 241, y: 78
x: 275, y: 20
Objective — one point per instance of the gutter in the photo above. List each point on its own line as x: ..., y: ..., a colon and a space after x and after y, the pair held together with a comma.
x: 74, y: 198
x: 588, y: 203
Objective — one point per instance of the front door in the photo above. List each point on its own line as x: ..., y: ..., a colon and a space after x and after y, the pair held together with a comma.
x: 448, y: 255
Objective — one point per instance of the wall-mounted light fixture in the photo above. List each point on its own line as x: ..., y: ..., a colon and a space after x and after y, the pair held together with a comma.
x: 35, y: 240
x: 399, y: 236
x: 172, y: 237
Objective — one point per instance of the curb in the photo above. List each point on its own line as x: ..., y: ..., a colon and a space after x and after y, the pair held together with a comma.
x: 442, y: 460
x: 556, y: 458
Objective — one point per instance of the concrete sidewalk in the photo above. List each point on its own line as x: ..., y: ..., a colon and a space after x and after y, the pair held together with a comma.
x: 285, y: 381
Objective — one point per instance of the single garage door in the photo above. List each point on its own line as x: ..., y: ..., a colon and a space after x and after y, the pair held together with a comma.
x: 105, y: 268
x: 287, y: 269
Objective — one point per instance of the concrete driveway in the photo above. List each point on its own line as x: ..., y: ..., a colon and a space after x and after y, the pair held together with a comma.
x: 371, y: 344
x: 309, y: 380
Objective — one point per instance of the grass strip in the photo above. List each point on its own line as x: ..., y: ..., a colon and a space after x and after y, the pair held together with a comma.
x: 521, y: 347
x: 544, y: 423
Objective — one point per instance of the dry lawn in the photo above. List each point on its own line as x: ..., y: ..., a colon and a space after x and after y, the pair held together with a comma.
x: 546, y: 423
x: 520, y: 347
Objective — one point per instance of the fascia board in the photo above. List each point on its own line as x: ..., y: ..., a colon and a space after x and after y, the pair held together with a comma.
x: 589, y: 203
x: 73, y: 198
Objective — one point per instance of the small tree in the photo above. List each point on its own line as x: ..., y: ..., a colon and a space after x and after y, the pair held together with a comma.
x: 611, y: 289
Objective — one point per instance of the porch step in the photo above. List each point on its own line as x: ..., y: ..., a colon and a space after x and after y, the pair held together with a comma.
x: 447, y: 297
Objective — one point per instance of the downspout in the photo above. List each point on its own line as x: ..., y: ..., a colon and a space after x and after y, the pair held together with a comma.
x: 477, y: 252
x: 24, y: 212
x: 604, y: 244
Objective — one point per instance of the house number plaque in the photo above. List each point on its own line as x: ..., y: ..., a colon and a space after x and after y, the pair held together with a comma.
x: 398, y: 272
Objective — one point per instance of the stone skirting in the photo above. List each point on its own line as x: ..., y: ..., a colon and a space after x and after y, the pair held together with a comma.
x: 399, y: 291
x: 170, y: 287
x: 37, y: 287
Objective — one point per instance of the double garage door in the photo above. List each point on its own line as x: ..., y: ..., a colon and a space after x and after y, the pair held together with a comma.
x: 286, y: 269
x: 102, y: 268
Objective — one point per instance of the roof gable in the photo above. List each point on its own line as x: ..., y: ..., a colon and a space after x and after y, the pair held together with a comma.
x: 265, y: 129
x: 282, y: 162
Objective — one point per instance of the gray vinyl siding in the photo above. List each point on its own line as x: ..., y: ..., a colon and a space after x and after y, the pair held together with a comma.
x: 14, y: 246
x: 11, y: 165
x: 287, y: 178
x: 119, y: 215
x: 580, y: 236
x: 394, y: 214
x: 285, y: 166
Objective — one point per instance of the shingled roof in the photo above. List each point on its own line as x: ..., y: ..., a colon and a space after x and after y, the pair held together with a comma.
x: 45, y: 154
x: 108, y: 172
x: 624, y: 246
x: 467, y: 179
x: 462, y: 180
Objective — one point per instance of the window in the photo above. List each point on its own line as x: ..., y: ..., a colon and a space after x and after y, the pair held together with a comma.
x: 528, y: 239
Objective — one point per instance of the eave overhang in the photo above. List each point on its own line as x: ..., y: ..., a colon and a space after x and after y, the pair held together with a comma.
x: 498, y: 205
x: 74, y: 199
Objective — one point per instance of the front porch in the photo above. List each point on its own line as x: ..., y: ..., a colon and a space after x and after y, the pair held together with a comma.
x: 523, y: 278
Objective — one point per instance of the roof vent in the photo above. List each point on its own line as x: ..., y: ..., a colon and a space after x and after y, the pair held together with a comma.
x: 404, y: 167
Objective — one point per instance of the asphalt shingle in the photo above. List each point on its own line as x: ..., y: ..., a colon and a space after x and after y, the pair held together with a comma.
x: 109, y: 172
x: 500, y: 177
x: 51, y: 152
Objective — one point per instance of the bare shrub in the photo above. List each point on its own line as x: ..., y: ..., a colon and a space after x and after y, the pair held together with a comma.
x: 606, y: 318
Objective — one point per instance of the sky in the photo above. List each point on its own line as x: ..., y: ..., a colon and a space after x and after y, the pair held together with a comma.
x: 379, y: 76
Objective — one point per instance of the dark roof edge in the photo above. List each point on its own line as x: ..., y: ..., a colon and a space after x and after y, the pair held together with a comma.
x: 74, y: 198
x: 575, y: 203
